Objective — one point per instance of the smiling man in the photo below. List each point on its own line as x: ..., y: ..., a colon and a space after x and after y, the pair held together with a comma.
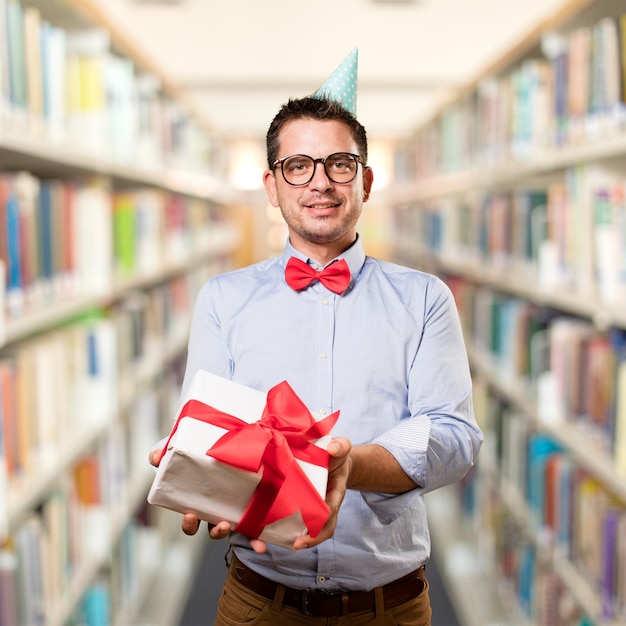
x: 380, y: 343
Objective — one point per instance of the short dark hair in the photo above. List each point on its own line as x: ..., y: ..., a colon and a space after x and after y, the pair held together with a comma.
x: 316, y: 109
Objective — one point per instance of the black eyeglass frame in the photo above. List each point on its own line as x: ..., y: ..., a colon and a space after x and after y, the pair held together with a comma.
x: 282, y: 160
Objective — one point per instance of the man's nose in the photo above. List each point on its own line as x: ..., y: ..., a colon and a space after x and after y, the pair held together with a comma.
x: 320, y: 178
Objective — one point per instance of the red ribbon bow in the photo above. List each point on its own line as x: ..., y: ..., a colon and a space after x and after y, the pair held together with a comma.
x: 283, y: 433
x: 300, y: 275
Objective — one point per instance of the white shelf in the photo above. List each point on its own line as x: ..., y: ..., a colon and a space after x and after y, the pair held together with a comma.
x: 523, y: 286
x: 118, y: 518
x: 165, y: 603
x: 508, y: 174
x: 570, y: 436
x: 60, y: 310
x: 41, y: 153
x: 178, y: 167
x: 431, y: 238
x: 469, y: 579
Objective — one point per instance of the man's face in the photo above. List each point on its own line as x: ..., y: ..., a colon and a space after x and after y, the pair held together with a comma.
x: 321, y: 212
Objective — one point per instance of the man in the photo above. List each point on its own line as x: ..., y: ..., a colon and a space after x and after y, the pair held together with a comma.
x: 385, y: 349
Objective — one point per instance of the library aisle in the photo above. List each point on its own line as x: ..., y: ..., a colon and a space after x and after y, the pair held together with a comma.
x: 131, y: 166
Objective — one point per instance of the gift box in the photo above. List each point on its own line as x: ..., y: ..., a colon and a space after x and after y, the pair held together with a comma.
x: 257, y: 460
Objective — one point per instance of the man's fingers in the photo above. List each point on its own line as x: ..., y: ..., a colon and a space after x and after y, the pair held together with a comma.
x: 190, y: 524
x: 339, y: 446
x: 154, y: 457
x: 258, y: 545
x: 220, y: 530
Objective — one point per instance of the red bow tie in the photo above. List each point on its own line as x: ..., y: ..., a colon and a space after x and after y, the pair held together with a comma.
x: 300, y: 275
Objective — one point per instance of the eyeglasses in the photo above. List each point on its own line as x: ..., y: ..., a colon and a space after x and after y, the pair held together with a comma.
x: 299, y: 169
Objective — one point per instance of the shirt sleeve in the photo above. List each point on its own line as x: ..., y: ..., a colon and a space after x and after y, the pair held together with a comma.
x: 440, y: 441
x: 206, y: 348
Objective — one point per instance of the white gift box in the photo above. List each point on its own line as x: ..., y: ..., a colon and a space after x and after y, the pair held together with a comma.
x: 189, y: 481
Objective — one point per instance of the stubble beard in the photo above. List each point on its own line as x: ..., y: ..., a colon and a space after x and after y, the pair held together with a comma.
x: 322, y: 233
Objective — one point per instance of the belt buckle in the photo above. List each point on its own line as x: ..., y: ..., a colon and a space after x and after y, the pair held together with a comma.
x: 304, y: 602
x: 324, y: 595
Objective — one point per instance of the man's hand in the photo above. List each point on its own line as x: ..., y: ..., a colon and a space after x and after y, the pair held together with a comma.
x: 338, y: 473
x: 191, y: 523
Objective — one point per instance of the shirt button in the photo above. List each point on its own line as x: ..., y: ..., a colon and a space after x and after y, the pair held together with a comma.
x: 322, y: 411
x: 322, y: 355
x: 321, y: 579
x: 325, y: 301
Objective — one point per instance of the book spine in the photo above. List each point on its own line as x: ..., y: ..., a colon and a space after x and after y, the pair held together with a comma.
x: 96, y: 606
x: 15, y: 297
x: 3, y: 305
x: 15, y: 39
x: 8, y: 587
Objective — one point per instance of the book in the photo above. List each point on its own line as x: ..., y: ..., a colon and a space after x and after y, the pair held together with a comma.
x: 121, y: 108
x: 560, y: 63
x: 28, y: 540
x: 540, y: 449
x: 33, y: 65
x: 96, y: 605
x: 87, y: 480
x: 555, y: 270
x: 528, y: 230
x: 94, y: 514
x: 45, y: 241
x: 606, y: 246
x: 125, y: 225
x: 93, y: 237
x: 563, y: 521
x: 57, y: 523
x: 4, y: 62
x: 609, y: 27
x: 598, y: 385
x: 515, y: 434
x: 8, y: 413
x: 618, y: 203
x: 16, y: 54
x: 3, y: 288
x: 67, y: 245
x: 149, y: 149
x: 579, y: 44
x: 619, y: 428
x: 14, y: 293
x: 581, y: 182
x: 25, y: 414
x: 53, y: 77
x: 610, y: 550
x: 87, y: 117
x: 4, y: 470
x: 9, y: 609
x: 567, y: 340
x: 150, y: 207
x: 49, y: 383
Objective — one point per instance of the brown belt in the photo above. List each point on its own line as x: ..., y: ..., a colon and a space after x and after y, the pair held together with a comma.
x: 332, y: 603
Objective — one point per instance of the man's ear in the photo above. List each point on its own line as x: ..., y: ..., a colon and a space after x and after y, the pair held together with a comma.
x: 269, y: 180
x: 368, y: 179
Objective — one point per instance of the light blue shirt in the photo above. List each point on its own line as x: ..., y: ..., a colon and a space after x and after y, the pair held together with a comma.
x: 389, y: 355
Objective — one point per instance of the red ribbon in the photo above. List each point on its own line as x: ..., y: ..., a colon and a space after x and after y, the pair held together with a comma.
x: 283, y: 434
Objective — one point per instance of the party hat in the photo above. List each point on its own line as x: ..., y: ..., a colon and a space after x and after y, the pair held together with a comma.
x: 341, y: 84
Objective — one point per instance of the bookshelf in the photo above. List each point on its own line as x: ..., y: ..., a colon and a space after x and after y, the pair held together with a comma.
x: 514, y: 193
x: 113, y: 213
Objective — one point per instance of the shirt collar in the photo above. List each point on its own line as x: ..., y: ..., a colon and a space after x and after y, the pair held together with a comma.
x: 354, y: 257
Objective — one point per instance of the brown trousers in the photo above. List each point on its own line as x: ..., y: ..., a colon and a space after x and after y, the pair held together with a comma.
x: 238, y: 605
